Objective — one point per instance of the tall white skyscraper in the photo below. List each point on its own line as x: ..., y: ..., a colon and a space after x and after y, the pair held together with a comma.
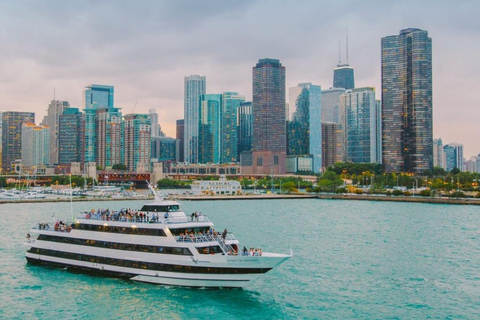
x: 438, y: 153
x: 35, y: 144
x: 55, y: 110
x: 195, y: 86
x: 156, y: 128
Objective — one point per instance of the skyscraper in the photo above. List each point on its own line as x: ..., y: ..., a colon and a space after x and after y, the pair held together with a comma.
x: 453, y: 156
x: 94, y: 97
x: 407, y: 132
x: 109, y: 137
x: 71, y: 126
x: 332, y: 143
x: 209, y: 128
x: 35, y: 145
x: 156, y: 128
x: 180, y: 135
x: 438, y: 153
x: 245, y: 128
x: 231, y: 102
x: 269, y: 125
x: 12, y: 137
x: 137, y: 135
x: 195, y: 86
x: 305, y: 128
x: 343, y: 77
x: 331, y: 111
x: 55, y: 110
x: 362, y: 132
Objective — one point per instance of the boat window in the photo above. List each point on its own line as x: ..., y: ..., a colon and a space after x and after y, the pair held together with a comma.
x: 149, y: 265
x: 140, y: 231
x: 118, y: 246
x: 210, y: 250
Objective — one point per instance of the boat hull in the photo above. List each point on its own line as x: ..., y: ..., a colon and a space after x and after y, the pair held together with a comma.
x: 210, y: 280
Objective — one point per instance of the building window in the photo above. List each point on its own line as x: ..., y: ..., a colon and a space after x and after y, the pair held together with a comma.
x: 259, y: 162
x: 275, y: 160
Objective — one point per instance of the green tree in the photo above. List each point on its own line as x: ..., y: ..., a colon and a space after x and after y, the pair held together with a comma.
x: 455, y: 171
x: 3, y: 182
x: 439, y: 171
x: 289, y: 187
x: 119, y: 166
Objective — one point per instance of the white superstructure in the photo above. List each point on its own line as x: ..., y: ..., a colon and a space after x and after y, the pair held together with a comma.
x: 158, y: 244
x: 216, y: 187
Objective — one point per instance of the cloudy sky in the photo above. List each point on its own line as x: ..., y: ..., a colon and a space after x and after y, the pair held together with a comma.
x: 146, y: 48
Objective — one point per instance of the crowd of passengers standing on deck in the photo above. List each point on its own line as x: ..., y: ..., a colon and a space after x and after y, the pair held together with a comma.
x: 125, y: 215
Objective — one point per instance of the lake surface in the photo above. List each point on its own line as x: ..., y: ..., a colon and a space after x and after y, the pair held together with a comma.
x: 352, y: 260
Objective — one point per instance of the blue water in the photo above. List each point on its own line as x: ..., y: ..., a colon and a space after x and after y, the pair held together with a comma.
x: 352, y: 260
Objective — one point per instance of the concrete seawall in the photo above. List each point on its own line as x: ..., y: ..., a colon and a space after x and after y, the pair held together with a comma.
x: 469, y: 201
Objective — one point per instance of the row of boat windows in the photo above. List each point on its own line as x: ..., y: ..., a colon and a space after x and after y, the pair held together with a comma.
x: 118, y: 246
x: 145, y: 265
x: 156, y: 208
x: 183, y: 231
x: 124, y: 230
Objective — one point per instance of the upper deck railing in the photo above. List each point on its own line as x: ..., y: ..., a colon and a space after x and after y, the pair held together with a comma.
x: 143, y: 218
x: 202, y: 238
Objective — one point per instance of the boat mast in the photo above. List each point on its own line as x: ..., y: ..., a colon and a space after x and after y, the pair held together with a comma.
x: 71, y: 200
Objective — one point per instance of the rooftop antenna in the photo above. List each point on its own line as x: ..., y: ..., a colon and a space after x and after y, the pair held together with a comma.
x: 54, y: 93
x: 347, y: 46
x: 339, y: 53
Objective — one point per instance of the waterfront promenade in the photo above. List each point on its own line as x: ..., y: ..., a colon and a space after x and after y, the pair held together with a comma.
x: 272, y: 196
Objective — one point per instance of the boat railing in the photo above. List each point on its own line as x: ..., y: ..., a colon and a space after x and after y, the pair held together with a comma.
x: 205, y: 238
x: 138, y: 219
x: 54, y: 227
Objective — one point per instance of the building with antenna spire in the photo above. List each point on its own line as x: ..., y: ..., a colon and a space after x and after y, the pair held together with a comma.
x: 343, y: 75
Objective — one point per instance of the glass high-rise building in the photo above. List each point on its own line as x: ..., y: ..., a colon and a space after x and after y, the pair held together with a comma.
x: 269, y: 118
x: 245, y: 128
x: 180, y: 135
x: 407, y: 132
x: 195, y: 86
x: 136, y: 141
x: 343, y: 77
x: 361, y: 122
x: 71, y: 126
x: 453, y: 156
x: 109, y: 137
x: 209, y: 127
x: 231, y: 102
x: 55, y: 110
x: 165, y: 149
x: 12, y: 122
x: 304, y: 136
x: 94, y: 97
x: 438, y: 153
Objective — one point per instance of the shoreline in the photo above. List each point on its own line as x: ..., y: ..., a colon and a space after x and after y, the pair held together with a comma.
x: 413, y: 199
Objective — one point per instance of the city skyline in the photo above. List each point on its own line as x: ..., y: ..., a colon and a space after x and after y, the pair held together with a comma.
x: 131, y: 49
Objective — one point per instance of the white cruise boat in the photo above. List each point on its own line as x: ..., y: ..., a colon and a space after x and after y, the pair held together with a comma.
x: 159, y: 244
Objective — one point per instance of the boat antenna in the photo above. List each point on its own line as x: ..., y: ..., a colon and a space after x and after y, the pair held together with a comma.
x: 158, y: 196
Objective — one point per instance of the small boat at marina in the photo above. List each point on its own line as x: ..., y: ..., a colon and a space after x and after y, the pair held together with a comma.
x: 33, y: 195
x: 157, y: 244
x: 11, y: 195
